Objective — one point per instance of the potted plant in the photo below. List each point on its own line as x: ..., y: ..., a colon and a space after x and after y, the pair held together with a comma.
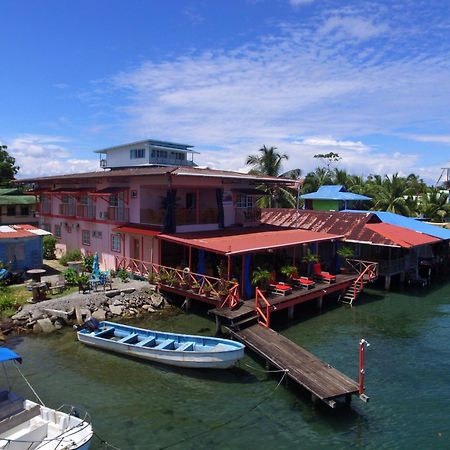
x: 153, y: 278
x: 288, y: 271
x: 261, y: 278
x: 207, y: 290
x: 310, y: 258
x: 195, y: 286
x: 345, y: 253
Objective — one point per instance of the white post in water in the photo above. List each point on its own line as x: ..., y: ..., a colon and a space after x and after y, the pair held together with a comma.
x: 362, y: 344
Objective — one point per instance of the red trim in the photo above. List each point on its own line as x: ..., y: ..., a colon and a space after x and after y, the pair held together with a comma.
x: 81, y: 219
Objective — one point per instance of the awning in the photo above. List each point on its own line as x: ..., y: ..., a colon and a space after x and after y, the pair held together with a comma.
x: 246, y: 240
x: 137, y: 229
x: 401, y: 236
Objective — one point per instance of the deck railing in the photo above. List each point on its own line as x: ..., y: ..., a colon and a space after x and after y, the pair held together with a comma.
x: 224, y: 291
x: 262, y: 307
x: 86, y: 211
x: 67, y: 209
x: 117, y: 214
x: 368, y: 271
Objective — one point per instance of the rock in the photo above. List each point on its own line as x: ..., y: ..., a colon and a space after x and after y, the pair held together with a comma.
x: 117, y: 302
x: 59, y: 323
x: 78, y: 316
x: 157, y: 300
x: 116, y: 310
x: 2, y: 336
x: 127, y: 291
x: 100, y: 314
x: 148, y: 308
x: 111, y: 294
x: 37, y: 314
x: 46, y: 325
x: 37, y: 328
x: 21, y: 315
x: 85, y: 313
x: 6, y: 325
x: 57, y: 313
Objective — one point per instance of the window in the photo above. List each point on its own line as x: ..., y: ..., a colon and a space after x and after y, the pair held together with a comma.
x: 24, y: 210
x: 136, y: 153
x: 115, y: 243
x: 85, y: 237
x: 58, y: 231
x: 245, y: 201
x: 97, y: 234
x: 190, y: 200
x: 114, y: 200
x: 11, y: 210
x: 159, y: 153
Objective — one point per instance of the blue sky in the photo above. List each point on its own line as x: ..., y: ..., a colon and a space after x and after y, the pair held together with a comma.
x: 369, y: 80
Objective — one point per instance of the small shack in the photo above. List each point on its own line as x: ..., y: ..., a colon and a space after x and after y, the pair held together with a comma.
x: 21, y: 247
x: 332, y: 198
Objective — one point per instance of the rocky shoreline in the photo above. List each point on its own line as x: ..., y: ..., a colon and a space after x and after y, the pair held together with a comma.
x: 128, y: 300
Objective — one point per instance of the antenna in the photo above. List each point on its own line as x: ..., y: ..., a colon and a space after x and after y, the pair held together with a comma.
x: 445, y: 177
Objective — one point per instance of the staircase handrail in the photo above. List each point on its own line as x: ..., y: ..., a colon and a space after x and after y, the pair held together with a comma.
x: 263, y: 317
x: 371, y: 270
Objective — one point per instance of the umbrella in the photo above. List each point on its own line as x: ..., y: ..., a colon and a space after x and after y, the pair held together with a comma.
x: 95, y: 267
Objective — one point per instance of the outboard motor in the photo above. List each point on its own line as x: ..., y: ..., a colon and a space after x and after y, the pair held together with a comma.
x: 92, y: 324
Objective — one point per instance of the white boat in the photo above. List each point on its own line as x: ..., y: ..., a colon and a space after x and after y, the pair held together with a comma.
x: 28, y: 425
x: 182, y: 350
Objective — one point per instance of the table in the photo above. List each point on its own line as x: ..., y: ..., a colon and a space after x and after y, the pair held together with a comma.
x: 39, y: 291
x: 36, y: 274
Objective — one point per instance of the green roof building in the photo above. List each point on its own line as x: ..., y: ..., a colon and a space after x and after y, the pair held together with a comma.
x: 17, y: 208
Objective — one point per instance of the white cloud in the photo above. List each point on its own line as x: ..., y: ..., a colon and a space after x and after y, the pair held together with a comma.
x: 352, y: 27
x: 437, y: 138
x: 300, y: 2
x: 42, y: 155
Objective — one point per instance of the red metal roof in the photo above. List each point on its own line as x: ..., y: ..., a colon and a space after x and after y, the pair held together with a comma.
x: 246, y: 240
x: 137, y: 229
x: 404, y: 237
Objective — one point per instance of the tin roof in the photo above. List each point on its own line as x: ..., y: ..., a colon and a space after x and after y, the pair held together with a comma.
x: 354, y: 226
x: 246, y: 240
x: 136, y: 228
x: 333, y: 192
x: 410, y: 223
x: 21, y: 231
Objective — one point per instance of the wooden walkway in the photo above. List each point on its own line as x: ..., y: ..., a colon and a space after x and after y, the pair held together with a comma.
x: 323, y: 381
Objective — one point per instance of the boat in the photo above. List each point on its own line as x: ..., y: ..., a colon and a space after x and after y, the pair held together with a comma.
x: 182, y: 350
x: 28, y: 425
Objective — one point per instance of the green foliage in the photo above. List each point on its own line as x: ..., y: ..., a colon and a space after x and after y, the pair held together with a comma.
x: 288, y: 271
x: 310, y: 257
x: 123, y: 275
x: 260, y: 277
x: 71, y: 276
x: 7, y: 301
x: 49, y: 245
x: 346, y: 252
x: 153, y: 278
x: 8, y: 168
x: 88, y: 261
x: 70, y: 255
x: 82, y: 279
x: 434, y: 206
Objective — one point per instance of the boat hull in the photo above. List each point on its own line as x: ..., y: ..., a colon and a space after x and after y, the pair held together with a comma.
x: 209, y: 353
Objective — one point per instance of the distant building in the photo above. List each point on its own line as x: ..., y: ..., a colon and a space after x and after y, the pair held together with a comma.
x: 16, y: 208
x: 147, y: 153
x: 332, y: 198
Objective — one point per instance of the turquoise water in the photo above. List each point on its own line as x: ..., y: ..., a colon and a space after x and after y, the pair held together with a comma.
x: 136, y: 405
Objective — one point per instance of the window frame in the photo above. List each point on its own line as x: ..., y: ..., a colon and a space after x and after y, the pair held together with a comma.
x: 117, y: 249
x: 86, y: 233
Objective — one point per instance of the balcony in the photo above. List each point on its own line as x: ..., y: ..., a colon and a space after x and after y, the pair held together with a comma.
x: 86, y: 211
x: 152, y: 216
x: 117, y: 214
x: 248, y: 216
x: 67, y: 209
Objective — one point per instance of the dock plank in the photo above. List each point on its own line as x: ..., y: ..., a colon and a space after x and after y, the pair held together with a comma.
x: 303, y: 367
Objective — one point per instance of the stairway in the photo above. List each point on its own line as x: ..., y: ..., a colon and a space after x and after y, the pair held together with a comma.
x: 369, y: 274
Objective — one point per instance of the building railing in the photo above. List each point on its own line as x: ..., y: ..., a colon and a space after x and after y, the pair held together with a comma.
x: 117, y: 214
x: 44, y: 208
x: 67, y: 209
x: 86, y: 211
x: 152, y: 216
x: 245, y: 216
x: 262, y: 307
x: 393, y: 266
x: 225, y: 292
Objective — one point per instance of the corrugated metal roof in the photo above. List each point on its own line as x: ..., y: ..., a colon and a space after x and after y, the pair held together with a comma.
x: 20, y: 231
x: 246, y: 240
x: 350, y: 224
x: 410, y: 223
x: 404, y: 237
x: 333, y: 192
x: 17, y: 200
x: 136, y: 228
x: 153, y: 171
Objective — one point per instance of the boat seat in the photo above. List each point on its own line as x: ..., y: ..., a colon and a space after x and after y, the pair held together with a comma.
x: 168, y: 344
x: 17, y: 419
x: 129, y: 339
x: 147, y: 342
x: 107, y: 332
x: 186, y: 347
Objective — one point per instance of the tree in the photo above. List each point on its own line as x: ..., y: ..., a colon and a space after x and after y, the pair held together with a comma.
x: 8, y: 169
x: 328, y: 159
x: 269, y: 162
x: 434, y: 205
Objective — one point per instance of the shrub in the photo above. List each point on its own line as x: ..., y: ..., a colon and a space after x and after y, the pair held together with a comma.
x: 70, y: 255
x: 6, y: 300
x: 71, y: 276
x: 83, y: 279
x: 88, y: 261
x: 123, y: 275
x: 49, y: 245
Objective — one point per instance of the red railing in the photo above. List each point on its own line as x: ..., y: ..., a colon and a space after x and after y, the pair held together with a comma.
x: 368, y: 271
x: 264, y: 310
x: 224, y: 291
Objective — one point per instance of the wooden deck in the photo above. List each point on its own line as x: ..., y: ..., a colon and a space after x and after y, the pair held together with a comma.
x: 323, y: 381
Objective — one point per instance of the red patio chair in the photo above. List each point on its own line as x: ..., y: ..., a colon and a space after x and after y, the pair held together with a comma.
x: 278, y: 287
x: 323, y: 276
x: 303, y: 282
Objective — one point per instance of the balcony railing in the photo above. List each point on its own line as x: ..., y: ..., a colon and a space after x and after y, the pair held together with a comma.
x: 86, y: 211
x: 247, y: 216
x: 117, y: 214
x: 44, y: 208
x: 152, y: 216
x: 67, y: 209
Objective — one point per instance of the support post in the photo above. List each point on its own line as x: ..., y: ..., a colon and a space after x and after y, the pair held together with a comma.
x: 320, y: 303
x: 387, y: 283
x: 218, y: 326
x: 291, y: 312
x: 362, y: 345
x: 187, y: 304
x: 402, y: 277
x: 190, y: 259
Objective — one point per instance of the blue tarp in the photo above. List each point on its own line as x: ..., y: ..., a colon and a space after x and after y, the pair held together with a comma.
x: 7, y: 354
x: 408, y: 222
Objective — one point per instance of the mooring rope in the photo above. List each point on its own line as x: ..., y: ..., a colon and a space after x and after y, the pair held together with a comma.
x: 105, y: 443
x: 266, y: 370
x: 233, y: 418
x: 29, y: 385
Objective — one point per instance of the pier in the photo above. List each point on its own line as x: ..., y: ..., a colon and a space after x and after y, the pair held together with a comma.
x: 324, y: 382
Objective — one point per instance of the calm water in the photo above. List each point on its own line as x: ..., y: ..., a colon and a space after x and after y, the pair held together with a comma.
x: 137, y: 405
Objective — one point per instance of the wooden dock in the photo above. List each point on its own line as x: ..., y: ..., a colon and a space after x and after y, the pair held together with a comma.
x: 323, y: 381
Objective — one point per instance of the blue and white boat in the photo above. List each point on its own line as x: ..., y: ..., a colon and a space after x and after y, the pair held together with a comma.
x: 182, y: 350
x: 28, y: 425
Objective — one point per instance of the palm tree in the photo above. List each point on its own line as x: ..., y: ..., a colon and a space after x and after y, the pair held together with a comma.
x: 315, y: 179
x: 269, y: 162
x: 434, y: 205
x: 394, y: 195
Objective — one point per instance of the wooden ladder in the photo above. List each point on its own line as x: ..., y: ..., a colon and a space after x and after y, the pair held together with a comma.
x: 369, y: 274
